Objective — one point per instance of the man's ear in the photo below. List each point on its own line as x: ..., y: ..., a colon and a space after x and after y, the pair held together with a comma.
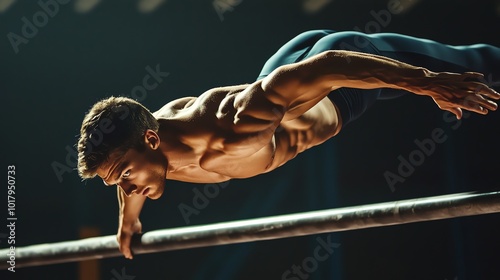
x: 152, y: 139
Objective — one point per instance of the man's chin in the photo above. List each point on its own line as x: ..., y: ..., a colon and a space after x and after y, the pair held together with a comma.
x: 157, y: 194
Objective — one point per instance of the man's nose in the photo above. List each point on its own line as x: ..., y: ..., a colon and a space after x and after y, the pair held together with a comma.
x: 128, y: 188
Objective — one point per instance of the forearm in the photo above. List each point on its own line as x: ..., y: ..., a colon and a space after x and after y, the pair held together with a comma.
x: 313, y: 78
x: 129, y: 206
x: 128, y: 223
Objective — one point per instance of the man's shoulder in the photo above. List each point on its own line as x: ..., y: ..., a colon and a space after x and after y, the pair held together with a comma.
x: 169, y: 109
x: 221, y: 92
x: 209, y: 98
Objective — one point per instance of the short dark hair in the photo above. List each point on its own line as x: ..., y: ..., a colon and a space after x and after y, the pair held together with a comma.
x: 112, y: 125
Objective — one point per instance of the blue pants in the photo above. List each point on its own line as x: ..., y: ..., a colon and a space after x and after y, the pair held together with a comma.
x: 419, y: 52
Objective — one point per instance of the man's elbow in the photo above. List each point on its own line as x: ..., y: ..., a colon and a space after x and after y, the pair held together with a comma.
x: 283, y: 84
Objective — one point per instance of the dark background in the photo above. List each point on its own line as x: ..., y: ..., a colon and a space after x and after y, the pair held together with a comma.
x: 80, y: 57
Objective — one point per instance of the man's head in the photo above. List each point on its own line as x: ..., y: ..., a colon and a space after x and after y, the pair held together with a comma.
x: 119, y: 143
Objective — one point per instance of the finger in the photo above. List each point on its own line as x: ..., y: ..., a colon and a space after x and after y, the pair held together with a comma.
x: 477, y: 109
x: 124, y: 246
x: 488, y: 104
x: 484, y: 90
x: 127, y: 253
x: 481, y: 110
x: 477, y: 103
x: 473, y: 101
x: 474, y: 76
x: 456, y: 111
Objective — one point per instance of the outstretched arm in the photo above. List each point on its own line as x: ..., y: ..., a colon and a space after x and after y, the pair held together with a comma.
x: 295, y: 88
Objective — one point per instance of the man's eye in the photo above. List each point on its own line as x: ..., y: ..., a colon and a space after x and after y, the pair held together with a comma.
x: 126, y: 174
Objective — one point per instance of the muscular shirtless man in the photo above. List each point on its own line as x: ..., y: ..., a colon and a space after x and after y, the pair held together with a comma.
x: 306, y: 93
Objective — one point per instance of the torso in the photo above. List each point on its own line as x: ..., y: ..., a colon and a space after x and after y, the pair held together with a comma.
x: 201, y: 149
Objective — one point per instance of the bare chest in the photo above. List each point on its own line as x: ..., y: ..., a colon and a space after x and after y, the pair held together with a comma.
x: 207, y: 165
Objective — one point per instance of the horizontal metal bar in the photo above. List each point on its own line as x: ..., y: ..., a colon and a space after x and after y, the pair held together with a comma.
x: 333, y: 220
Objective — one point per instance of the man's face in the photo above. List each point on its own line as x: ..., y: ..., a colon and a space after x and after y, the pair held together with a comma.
x: 137, y: 173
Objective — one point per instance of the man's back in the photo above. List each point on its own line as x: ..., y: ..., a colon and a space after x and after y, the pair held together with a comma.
x: 201, y: 145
